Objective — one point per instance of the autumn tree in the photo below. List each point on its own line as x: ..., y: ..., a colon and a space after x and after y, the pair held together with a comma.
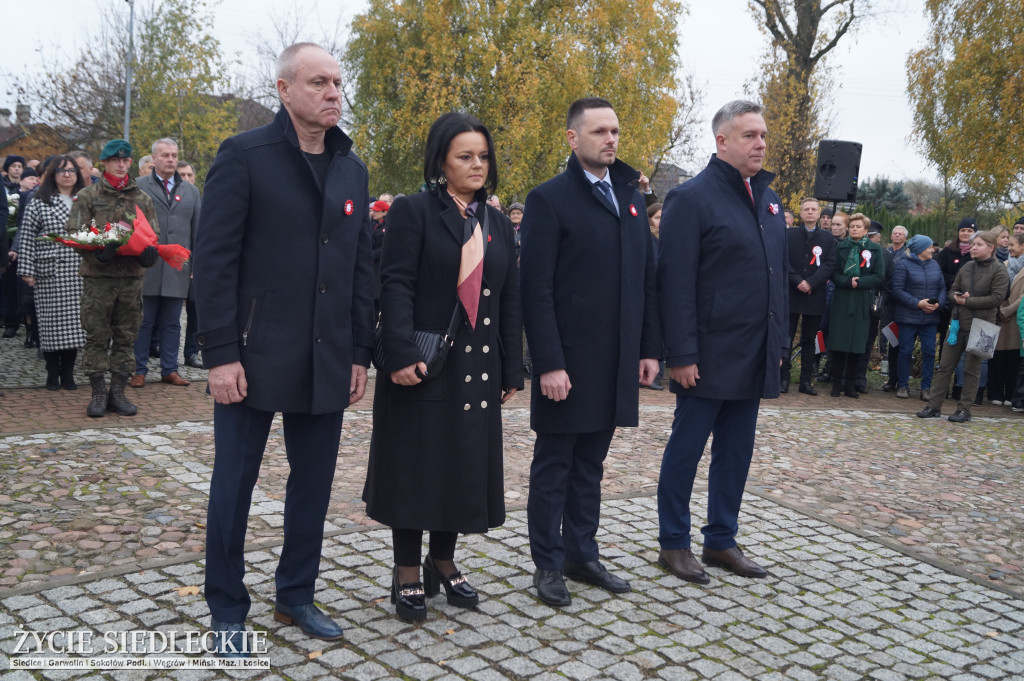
x: 794, y: 79
x: 967, y: 89
x: 179, y: 73
x: 517, y: 65
x: 177, y: 89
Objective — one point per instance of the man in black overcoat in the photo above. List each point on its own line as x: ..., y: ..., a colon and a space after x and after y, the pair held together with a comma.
x: 283, y: 282
x: 723, y: 297
x: 812, y: 255
x: 588, y: 296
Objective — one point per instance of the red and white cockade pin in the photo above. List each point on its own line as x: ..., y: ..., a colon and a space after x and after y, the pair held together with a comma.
x: 632, y: 210
x: 177, y: 197
x: 773, y: 208
x: 349, y: 207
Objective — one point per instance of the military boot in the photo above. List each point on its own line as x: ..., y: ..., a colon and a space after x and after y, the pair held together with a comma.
x: 116, y: 401
x: 98, y: 404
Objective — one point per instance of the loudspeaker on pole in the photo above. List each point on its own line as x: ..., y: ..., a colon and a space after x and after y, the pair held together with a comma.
x: 838, y: 167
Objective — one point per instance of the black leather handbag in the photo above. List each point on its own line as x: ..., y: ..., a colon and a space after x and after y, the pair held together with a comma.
x: 432, y: 345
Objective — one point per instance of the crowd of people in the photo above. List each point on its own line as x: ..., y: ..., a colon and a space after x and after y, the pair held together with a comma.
x: 300, y: 280
x: 118, y: 309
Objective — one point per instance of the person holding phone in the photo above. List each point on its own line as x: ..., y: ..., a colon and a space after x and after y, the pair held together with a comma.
x: 920, y: 292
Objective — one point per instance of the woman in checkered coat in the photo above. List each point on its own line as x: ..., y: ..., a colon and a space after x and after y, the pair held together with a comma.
x: 52, y: 270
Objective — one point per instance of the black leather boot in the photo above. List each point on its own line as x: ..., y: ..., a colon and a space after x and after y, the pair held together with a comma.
x: 116, y: 401
x: 98, y: 404
x: 67, y: 369
x: 52, y: 370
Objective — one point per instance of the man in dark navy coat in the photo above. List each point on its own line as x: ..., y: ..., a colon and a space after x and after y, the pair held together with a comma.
x: 283, y: 281
x: 588, y: 296
x: 722, y: 291
x: 812, y: 255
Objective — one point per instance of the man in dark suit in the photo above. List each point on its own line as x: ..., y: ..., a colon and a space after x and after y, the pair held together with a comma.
x: 283, y: 279
x: 723, y: 298
x: 812, y: 255
x: 588, y: 287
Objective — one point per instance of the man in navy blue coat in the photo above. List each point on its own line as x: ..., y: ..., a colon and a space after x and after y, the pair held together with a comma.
x: 283, y: 282
x: 588, y: 294
x: 722, y: 291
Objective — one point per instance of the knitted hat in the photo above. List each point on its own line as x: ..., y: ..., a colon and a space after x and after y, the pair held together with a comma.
x: 919, y: 243
x: 517, y: 206
x: 13, y: 158
x: 967, y: 223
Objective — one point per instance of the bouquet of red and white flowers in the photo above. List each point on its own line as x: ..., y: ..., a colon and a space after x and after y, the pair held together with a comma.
x: 92, y: 238
x: 133, y: 239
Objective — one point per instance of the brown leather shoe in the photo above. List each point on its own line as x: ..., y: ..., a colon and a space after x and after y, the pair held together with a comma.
x: 137, y: 381
x: 682, y: 564
x: 734, y: 561
x: 174, y: 379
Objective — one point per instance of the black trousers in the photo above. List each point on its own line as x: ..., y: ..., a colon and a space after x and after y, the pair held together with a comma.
x: 808, y: 360
x: 1002, y: 374
x: 564, y: 506
x: 861, y: 373
x: 240, y: 436
x: 844, y: 367
x: 408, y: 543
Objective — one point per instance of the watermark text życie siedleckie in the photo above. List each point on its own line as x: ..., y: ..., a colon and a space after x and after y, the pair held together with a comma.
x: 135, y: 642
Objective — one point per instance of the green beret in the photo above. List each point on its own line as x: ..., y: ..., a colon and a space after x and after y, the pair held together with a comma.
x: 116, y: 149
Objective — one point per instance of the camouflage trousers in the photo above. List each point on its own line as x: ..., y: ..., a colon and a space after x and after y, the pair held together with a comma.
x: 111, y: 316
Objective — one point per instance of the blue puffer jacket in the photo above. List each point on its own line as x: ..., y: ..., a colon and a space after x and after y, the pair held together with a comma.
x: 913, y: 280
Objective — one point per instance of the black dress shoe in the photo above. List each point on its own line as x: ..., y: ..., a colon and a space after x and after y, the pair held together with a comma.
x: 807, y: 389
x: 595, y: 574
x: 456, y: 588
x: 682, y: 564
x: 853, y: 391
x: 656, y: 385
x: 410, y: 602
x: 837, y: 389
x: 823, y: 377
x: 194, y: 361
x: 929, y: 413
x: 551, y: 587
x: 862, y: 389
x: 734, y: 561
x: 229, y: 639
x: 784, y: 386
x: 888, y: 388
x: 960, y: 416
x: 309, y: 619
x: 10, y: 333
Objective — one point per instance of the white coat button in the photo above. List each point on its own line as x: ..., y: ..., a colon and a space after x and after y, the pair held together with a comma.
x: 483, y: 377
x: 487, y: 291
x: 483, y: 405
x: 468, y: 379
x: 486, y: 349
x: 466, y: 408
x: 469, y: 348
x: 487, y: 321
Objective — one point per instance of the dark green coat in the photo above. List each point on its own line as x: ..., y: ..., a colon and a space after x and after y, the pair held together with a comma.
x: 850, y: 313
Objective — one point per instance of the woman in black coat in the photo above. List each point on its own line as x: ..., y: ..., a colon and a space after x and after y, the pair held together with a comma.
x: 436, y: 450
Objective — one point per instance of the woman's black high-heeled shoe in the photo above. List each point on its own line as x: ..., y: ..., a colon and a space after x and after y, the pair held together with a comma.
x: 410, y: 604
x: 456, y: 588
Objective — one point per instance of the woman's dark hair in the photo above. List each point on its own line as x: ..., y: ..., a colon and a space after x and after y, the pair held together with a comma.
x: 49, y: 186
x: 439, y: 140
x: 652, y: 209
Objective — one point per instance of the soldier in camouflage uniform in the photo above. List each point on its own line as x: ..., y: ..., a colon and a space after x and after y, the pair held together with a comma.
x: 112, y: 284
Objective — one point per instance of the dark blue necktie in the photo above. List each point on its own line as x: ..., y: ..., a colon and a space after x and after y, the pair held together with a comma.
x: 606, y: 189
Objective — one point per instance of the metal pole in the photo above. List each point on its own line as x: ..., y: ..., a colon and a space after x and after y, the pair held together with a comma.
x: 128, y: 69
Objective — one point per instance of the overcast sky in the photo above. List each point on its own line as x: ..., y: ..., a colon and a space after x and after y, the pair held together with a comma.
x: 719, y: 43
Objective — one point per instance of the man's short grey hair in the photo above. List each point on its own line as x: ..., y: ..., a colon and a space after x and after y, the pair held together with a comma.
x: 733, y: 109
x: 78, y: 153
x: 286, y: 60
x: 145, y: 159
x: 900, y: 228
x: 164, y: 140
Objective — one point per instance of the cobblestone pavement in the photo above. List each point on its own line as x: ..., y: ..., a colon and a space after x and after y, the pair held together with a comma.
x: 895, y: 547
x: 836, y: 606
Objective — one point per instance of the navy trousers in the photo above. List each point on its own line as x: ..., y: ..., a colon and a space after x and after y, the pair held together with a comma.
x: 240, y: 436
x: 732, y: 422
x: 564, y: 507
x: 161, y: 322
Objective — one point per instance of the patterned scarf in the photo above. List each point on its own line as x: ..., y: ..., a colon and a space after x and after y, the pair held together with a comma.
x: 852, y: 268
x: 118, y: 183
x: 471, y: 268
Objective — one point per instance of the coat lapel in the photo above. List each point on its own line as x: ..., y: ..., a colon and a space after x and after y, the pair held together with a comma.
x: 455, y: 222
